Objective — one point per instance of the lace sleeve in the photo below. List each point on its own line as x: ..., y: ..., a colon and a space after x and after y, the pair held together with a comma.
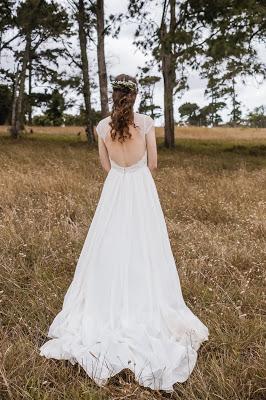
x: 99, y: 129
x: 149, y: 125
x: 102, y: 128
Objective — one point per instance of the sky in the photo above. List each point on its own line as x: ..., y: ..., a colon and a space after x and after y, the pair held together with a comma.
x: 123, y: 57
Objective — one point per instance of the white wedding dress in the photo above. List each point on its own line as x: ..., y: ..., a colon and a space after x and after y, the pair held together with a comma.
x: 124, y: 307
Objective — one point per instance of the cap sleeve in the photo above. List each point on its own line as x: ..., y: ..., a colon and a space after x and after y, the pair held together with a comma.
x: 149, y: 125
x: 102, y: 128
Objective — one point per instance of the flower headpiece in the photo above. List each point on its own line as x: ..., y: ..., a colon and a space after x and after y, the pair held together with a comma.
x: 124, y: 84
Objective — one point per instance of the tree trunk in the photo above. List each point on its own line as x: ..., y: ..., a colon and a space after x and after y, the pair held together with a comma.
x: 85, y: 71
x: 17, y: 114
x: 234, y: 101
x: 169, y: 125
x: 101, y: 58
x: 14, y: 105
x: 30, y: 88
x: 213, y: 116
x: 1, y: 38
x: 168, y: 58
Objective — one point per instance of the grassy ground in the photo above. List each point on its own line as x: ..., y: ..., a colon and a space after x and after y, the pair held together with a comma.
x: 213, y: 194
x: 200, y: 133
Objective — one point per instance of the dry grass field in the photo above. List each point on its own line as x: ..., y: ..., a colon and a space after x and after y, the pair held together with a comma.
x: 200, y: 133
x: 212, y: 188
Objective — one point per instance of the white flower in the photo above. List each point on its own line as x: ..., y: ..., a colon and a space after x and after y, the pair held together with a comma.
x: 124, y: 84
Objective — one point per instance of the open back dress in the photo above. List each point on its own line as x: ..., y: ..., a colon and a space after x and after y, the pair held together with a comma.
x: 124, y: 307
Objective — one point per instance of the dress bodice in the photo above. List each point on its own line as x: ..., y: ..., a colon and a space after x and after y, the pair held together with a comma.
x: 145, y: 125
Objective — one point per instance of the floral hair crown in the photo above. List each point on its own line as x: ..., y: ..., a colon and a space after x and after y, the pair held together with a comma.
x: 124, y: 84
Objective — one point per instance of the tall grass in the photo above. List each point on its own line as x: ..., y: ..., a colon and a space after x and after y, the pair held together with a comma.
x: 213, y: 193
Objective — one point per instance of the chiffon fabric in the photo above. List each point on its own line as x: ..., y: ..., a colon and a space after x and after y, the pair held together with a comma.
x: 124, y: 307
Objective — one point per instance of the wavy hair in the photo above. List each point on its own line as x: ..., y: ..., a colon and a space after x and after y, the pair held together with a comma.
x: 122, y: 115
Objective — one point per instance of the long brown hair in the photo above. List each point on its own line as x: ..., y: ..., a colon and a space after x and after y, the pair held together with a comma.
x: 122, y: 115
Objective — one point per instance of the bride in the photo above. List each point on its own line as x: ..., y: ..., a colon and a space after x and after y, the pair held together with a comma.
x: 124, y: 307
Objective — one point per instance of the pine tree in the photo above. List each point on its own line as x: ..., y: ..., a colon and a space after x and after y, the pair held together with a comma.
x: 37, y: 21
x: 147, y: 86
x: 191, y: 30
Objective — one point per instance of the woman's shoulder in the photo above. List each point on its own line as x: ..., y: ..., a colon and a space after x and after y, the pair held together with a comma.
x: 104, y: 121
x: 145, y: 122
x: 144, y: 116
x: 103, y: 126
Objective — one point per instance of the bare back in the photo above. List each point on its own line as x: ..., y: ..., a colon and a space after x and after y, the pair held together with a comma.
x: 131, y: 150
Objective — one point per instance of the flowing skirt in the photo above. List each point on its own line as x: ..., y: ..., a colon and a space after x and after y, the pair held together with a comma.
x: 124, y: 307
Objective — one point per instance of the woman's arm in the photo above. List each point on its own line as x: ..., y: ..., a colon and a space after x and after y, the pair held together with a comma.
x: 151, y: 148
x: 103, y: 154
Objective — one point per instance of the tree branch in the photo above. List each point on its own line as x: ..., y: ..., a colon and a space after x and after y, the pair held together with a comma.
x: 79, y: 65
x: 6, y: 44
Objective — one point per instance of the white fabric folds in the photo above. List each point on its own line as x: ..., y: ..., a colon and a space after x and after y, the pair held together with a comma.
x: 124, y: 307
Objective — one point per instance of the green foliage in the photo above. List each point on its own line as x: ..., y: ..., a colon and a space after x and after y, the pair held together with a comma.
x: 41, y: 120
x: 66, y: 119
x: 56, y: 108
x: 192, y: 114
x: 95, y: 116
x: 190, y: 111
x: 6, y: 18
x: 147, y: 85
x: 257, y: 117
x: 214, y: 91
x: 81, y: 118
x: 42, y: 19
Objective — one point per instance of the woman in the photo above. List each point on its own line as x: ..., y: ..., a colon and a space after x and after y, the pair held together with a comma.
x: 124, y: 307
